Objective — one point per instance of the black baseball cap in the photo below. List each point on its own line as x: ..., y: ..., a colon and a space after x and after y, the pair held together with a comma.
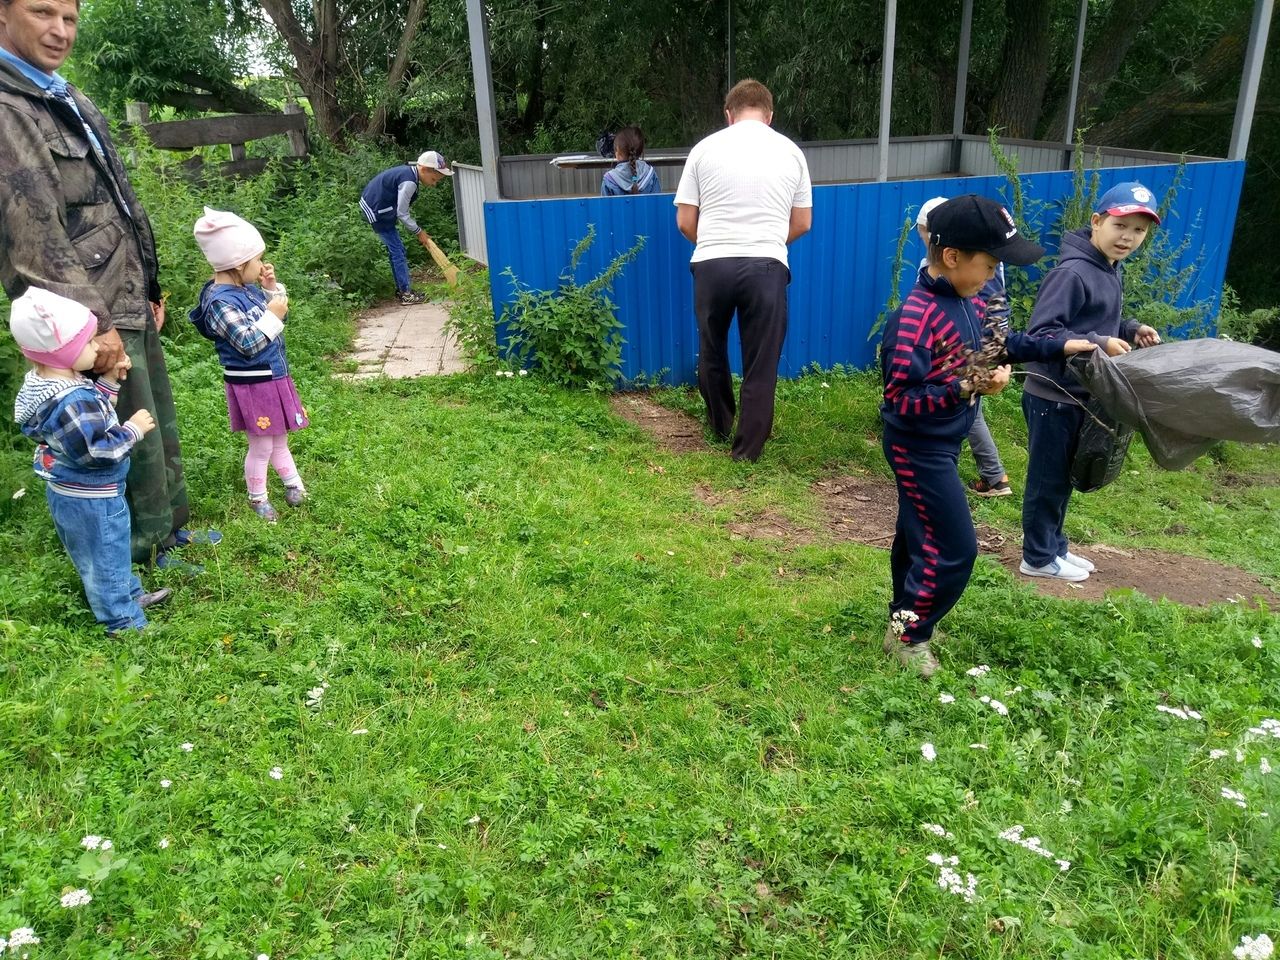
x: 973, y: 222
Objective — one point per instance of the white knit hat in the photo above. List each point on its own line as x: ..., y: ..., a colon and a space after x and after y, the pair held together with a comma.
x: 227, y: 241
x: 926, y: 208
x: 49, y: 328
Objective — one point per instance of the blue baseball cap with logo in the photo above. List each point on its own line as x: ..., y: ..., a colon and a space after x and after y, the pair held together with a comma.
x: 1126, y: 198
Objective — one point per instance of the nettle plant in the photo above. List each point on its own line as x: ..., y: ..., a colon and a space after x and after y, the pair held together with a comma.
x: 570, y: 336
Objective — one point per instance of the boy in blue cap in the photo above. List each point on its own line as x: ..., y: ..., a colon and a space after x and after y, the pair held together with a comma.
x: 930, y: 385
x: 1079, y: 297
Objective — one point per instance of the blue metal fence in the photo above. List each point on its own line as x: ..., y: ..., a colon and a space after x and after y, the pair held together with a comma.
x: 842, y: 271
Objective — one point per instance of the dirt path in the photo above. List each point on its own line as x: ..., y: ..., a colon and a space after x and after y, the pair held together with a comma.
x: 864, y: 509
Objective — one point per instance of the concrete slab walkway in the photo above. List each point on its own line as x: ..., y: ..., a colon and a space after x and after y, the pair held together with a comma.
x: 396, y: 341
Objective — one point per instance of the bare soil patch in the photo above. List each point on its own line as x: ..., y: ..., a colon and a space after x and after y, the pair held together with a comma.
x: 864, y: 509
x: 673, y: 430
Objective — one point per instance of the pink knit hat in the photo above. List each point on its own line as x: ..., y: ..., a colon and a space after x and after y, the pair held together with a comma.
x: 227, y: 241
x: 51, y: 329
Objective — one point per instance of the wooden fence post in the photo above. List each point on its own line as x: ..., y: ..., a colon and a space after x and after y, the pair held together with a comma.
x: 137, y: 111
x: 297, y: 138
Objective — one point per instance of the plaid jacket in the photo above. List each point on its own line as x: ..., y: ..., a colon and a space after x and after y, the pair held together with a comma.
x: 84, y: 449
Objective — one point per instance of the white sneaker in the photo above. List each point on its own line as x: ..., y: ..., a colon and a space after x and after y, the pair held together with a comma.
x: 1084, y: 563
x: 1054, y: 570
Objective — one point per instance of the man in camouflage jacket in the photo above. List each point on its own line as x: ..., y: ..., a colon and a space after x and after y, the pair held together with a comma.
x: 71, y: 223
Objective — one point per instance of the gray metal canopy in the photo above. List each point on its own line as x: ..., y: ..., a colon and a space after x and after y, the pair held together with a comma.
x: 478, y: 27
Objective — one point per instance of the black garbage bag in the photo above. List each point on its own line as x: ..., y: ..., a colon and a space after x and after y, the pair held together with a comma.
x: 1185, y: 396
x: 1101, y: 447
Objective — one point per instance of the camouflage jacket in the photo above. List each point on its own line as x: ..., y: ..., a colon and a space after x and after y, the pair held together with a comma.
x: 69, y: 220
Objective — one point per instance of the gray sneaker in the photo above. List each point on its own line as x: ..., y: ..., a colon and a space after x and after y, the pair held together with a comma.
x: 155, y: 597
x: 913, y: 656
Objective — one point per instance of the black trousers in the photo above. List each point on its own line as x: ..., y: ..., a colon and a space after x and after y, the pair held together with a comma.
x: 756, y: 289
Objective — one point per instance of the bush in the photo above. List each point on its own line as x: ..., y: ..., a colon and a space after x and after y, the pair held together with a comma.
x: 572, y: 334
x: 471, y: 320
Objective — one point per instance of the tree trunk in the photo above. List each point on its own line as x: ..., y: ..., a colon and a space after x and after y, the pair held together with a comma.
x: 1133, y: 127
x: 1103, y: 58
x: 398, y: 67
x: 1024, y: 68
x: 317, y: 61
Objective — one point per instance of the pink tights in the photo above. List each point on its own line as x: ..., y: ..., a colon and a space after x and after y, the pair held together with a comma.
x: 273, y: 450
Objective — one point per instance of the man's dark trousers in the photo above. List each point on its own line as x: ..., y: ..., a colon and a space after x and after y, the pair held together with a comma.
x: 756, y: 289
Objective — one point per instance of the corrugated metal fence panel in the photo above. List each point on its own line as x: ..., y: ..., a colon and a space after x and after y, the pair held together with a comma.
x: 842, y: 270
x: 468, y: 199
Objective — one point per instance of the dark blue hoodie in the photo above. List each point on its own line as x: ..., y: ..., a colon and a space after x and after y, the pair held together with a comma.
x: 1080, y: 298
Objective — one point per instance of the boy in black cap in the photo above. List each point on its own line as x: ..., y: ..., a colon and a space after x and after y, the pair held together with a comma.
x: 927, y: 412
x: 1080, y: 297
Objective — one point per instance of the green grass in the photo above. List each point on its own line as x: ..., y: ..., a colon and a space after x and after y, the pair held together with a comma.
x: 601, y: 725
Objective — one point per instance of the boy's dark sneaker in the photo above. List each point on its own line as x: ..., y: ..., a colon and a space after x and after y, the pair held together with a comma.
x: 1000, y: 488
x: 412, y: 296
x: 169, y: 560
x: 154, y: 598
x: 185, y: 537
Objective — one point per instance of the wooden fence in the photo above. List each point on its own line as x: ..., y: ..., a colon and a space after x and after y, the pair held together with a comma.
x: 234, y: 130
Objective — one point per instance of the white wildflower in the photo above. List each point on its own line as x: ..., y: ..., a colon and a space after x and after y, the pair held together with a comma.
x: 263, y: 956
x: 825, y: 385
x: 75, y: 898
x: 1235, y: 796
x: 946, y: 698
x: 164, y: 843
x: 1254, y: 948
x: 995, y: 705
x: 91, y: 842
x: 928, y: 752
x: 22, y: 937
x: 474, y: 820
x: 524, y: 373
x: 900, y: 619
x: 1182, y: 713
x: 938, y: 830
x: 1217, y: 754
x: 187, y: 747
x: 1239, y: 755
x: 1063, y: 865
x: 442, y: 846
x: 360, y: 732
x: 275, y: 773
x: 315, y: 696
x: 1264, y: 766
x: 166, y: 784
x: 18, y: 495
x: 107, y: 845
x: 978, y: 671
x: 949, y: 878
x: 1015, y: 690
x: 978, y: 746
x: 1257, y: 642
x: 1033, y: 844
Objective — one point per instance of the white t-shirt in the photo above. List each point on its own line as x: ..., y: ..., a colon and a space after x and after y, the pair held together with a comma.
x: 744, y: 180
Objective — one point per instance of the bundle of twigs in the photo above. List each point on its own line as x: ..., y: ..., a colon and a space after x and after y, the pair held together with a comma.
x: 977, y: 366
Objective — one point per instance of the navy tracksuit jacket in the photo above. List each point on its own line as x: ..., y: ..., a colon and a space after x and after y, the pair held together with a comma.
x: 925, y: 422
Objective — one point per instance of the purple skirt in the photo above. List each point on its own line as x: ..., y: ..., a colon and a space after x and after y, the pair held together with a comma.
x: 265, y: 409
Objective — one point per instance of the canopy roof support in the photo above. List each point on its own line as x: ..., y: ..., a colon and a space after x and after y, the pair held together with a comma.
x: 962, y: 81
x: 1248, y: 99
x: 1069, y: 134
x: 486, y: 116
x: 886, y: 85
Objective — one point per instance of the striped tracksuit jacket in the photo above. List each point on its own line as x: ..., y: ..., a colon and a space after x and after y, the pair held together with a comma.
x: 925, y: 422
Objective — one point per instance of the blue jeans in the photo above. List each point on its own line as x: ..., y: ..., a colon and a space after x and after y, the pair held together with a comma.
x: 95, y: 533
x: 390, y: 238
x: 1052, y: 432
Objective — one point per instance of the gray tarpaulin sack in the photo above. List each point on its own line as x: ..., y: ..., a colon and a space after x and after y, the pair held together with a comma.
x: 1185, y: 396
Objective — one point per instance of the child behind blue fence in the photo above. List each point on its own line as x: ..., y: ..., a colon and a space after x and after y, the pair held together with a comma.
x: 1081, y: 296
x: 631, y: 175
x: 83, y: 451
x: 242, y: 310
x: 993, y: 480
x: 927, y: 412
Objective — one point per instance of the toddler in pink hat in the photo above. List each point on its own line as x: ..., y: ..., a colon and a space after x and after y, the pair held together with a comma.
x: 242, y: 310
x: 82, y: 450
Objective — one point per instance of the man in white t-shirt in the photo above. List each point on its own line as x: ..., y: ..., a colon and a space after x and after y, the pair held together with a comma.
x: 744, y: 195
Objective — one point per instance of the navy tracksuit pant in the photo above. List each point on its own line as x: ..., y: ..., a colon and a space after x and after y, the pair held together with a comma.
x: 934, y: 543
x: 1053, y: 430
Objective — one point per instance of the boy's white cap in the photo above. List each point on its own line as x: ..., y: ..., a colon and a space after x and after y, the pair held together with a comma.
x: 49, y: 328
x: 922, y: 218
x: 434, y: 161
x: 227, y: 241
